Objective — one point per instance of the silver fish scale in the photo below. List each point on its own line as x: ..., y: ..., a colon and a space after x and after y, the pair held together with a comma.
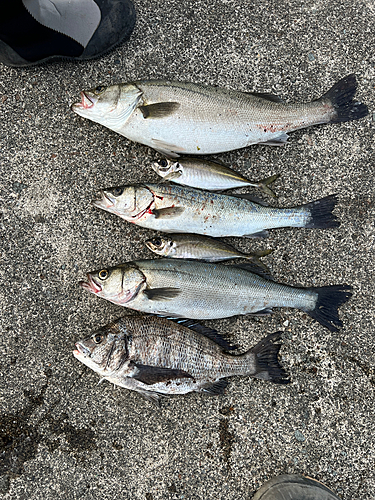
x: 158, y: 342
x: 209, y: 291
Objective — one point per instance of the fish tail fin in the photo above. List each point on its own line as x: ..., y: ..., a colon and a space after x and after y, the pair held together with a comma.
x: 341, y: 97
x: 330, y: 298
x: 267, y: 366
x: 320, y: 212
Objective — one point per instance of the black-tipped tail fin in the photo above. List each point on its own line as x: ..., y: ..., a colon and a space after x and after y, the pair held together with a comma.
x: 330, y: 298
x: 267, y: 365
x: 320, y: 211
x: 341, y: 97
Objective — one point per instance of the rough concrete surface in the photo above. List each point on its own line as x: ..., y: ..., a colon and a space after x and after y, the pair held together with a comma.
x: 62, y: 435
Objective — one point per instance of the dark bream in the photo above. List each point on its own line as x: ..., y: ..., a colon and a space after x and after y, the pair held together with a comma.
x: 186, y: 118
x: 179, y: 209
x: 202, y: 290
x: 156, y: 356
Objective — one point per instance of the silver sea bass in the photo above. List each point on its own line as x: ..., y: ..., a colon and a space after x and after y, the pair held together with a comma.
x: 203, y: 290
x: 176, y: 209
x: 156, y: 356
x: 186, y: 118
x: 207, y: 174
x: 193, y: 246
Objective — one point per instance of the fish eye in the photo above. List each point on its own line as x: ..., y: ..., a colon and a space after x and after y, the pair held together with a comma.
x: 103, y: 274
x: 117, y: 191
x: 157, y: 242
x: 99, y: 89
x: 163, y: 163
x: 97, y: 338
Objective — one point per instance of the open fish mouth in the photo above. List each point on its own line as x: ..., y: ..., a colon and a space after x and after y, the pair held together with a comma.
x: 92, y: 286
x: 86, y: 102
x: 81, y: 350
x: 103, y: 200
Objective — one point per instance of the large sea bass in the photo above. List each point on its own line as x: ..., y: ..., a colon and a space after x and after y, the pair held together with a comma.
x: 186, y: 118
x: 175, y: 209
x: 202, y: 290
x: 156, y: 356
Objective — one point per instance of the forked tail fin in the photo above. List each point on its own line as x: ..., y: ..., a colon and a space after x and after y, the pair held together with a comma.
x: 341, y: 97
x: 267, y: 365
x: 330, y: 298
x: 320, y: 212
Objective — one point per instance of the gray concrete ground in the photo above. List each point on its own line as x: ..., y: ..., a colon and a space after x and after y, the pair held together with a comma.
x: 62, y: 435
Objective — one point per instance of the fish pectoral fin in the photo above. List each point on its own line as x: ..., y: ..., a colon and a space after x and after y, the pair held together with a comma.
x: 168, y: 213
x: 215, y: 388
x: 263, y: 312
x: 267, y: 97
x: 172, y: 175
x: 159, y: 109
x: 257, y: 234
x: 161, y: 293
x: 150, y: 375
x: 279, y: 140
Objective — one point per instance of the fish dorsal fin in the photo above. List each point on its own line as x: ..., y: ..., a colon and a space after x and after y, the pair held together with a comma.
x: 254, y: 268
x: 151, y: 375
x: 207, y: 332
x: 267, y: 97
x: 159, y: 109
x: 251, y: 197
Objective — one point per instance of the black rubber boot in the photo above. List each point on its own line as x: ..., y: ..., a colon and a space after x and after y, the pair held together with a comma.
x: 25, y: 42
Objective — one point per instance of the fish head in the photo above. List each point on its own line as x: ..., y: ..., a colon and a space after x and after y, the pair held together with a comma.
x: 110, y: 106
x: 167, y: 168
x: 129, y: 202
x: 162, y: 246
x: 119, y: 284
x: 106, y: 350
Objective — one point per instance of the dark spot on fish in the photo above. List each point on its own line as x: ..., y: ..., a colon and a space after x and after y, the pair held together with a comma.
x: 226, y: 440
x: 273, y: 403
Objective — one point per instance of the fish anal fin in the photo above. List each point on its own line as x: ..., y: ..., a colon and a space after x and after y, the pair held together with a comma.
x: 167, y: 213
x: 161, y: 293
x: 150, y: 375
x: 279, y: 140
x: 153, y: 397
x: 159, y: 109
x: 262, y: 312
x: 215, y: 388
x: 258, y: 234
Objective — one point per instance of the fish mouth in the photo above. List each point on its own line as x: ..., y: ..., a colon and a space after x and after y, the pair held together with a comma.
x: 92, y: 285
x: 86, y: 102
x: 103, y: 201
x: 81, y: 350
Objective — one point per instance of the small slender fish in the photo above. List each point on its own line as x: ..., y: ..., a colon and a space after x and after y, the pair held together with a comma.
x: 186, y: 118
x: 202, y: 290
x: 207, y: 174
x: 193, y: 246
x: 156, y: 357
x: 178, y: 209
